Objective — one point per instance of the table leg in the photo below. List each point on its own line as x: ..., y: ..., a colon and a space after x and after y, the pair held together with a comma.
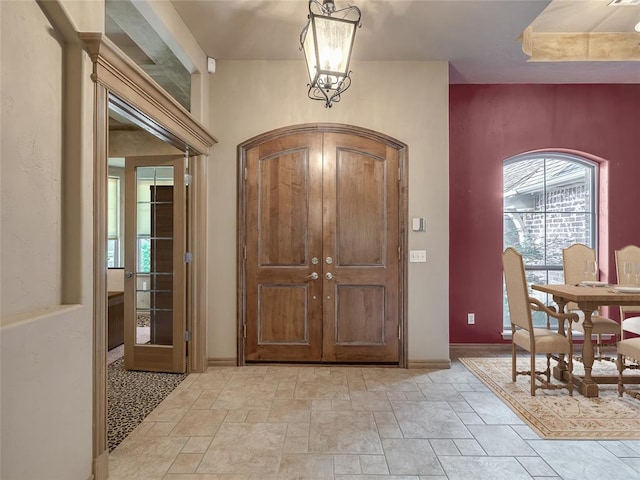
x: 589, y: 387
x: 562, y: 364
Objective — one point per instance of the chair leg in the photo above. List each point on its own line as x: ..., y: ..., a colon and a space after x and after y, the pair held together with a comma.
x: 513, y: 362
x: 570, y: 368
x: 620, y: 364
x: 548, y: 370
x: 533, y: 374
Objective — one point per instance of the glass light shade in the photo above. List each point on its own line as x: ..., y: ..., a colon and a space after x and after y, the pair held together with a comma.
x: 327, y: 43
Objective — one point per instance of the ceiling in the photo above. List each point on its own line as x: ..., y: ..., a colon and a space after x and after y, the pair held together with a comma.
x: 484, y: 41
x: 481, y: 39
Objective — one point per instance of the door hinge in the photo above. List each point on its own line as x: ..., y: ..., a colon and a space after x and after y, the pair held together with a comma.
x: 245, y: 174
x: 188, y: 257
x: 399, y: 254
x: 399, y: 174
x: 244, y: 252
x: 244, y: 331
x: 399, y: 332
x: 188, y: 178
x: 187, y: 336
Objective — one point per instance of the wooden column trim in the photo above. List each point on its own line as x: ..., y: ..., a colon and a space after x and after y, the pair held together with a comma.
x: 100, y: 134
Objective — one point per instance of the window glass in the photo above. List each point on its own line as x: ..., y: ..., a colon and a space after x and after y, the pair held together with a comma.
x: 549, y: 204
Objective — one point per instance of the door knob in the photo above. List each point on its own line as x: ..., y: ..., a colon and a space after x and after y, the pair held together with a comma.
x: 329, y: 260
x: 329, y: 275
x: 128, y: 274
x: 312, y: 276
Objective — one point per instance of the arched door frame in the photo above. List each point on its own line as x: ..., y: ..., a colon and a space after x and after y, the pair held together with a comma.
x: 402, y: 148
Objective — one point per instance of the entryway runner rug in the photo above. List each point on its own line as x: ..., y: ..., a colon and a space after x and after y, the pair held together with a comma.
x: 553, y: 413
x: 131, y: 396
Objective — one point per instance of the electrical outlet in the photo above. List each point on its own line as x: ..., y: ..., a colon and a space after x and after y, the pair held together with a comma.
x: 471, y: 318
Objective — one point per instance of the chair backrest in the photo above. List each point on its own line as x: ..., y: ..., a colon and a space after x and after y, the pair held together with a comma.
x: 574, y: 259
x: 631, y: 254
x: 517, y: 290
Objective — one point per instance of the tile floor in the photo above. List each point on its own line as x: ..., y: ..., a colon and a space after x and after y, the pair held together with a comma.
x: 346, y: 423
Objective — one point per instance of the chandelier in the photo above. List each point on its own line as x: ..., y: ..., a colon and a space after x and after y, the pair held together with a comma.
x: 327, y: 43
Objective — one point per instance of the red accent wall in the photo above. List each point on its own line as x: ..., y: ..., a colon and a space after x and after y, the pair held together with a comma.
x: 490, y: 123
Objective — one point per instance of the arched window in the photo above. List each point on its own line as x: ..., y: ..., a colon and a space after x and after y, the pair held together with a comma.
x: 550, y: 202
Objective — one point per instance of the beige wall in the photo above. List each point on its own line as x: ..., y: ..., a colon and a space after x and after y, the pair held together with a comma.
x: 46, y: 338
x: 31, y: 164
x: 406, y: 100
x: 46, y: 334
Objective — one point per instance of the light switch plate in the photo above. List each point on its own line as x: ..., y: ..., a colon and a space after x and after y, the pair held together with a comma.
x: 417, y: 224
x: 417, y: 256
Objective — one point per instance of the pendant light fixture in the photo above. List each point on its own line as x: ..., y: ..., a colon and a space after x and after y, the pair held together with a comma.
x: 327, y: 43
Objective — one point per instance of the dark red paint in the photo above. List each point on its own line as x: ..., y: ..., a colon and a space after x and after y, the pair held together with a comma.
x: 489, y: 123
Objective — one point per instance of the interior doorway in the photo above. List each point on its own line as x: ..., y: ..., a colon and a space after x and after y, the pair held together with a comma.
x: 119, y: 82
x: 146, y: 245
x: 322, y: 242
x: 146, y: 242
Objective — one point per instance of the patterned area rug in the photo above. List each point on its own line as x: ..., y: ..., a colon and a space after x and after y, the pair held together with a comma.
x: 553, y: 413
x: 131, y: 396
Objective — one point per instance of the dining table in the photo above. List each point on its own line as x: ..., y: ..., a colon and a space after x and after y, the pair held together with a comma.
x: 588, y: 297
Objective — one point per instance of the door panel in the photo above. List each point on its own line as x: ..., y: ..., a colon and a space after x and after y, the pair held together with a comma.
x: 360, y: 315
x: 360, y: 212
x: 155, y: 235
x: 283, y: 206
x: 283, y: 306
x: 283, y: 315
x: 362, y: 236
x: 324, y: 204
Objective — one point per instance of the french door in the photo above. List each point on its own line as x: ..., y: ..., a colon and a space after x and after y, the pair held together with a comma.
x: 323, y: 249
x: 154, y: 285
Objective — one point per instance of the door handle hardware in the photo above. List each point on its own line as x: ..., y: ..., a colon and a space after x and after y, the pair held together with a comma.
x: 329, y: 260
x: 329, y: 276
x: 312, y: 276
x: 314, y: 260
x: 128, y: 274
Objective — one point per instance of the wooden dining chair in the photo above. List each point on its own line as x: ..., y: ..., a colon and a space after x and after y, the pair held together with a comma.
x: 573, y: 263
x: 525, y: 336
x: 628, y: 350
x: 629, y: 315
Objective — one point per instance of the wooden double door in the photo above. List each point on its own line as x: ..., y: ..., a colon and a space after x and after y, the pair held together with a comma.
x: 322, y: 227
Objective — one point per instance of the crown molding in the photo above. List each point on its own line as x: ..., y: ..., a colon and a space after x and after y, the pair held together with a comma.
x: 130, y: 83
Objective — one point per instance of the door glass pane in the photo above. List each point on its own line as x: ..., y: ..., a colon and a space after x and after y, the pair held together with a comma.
x: 154, y: 255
